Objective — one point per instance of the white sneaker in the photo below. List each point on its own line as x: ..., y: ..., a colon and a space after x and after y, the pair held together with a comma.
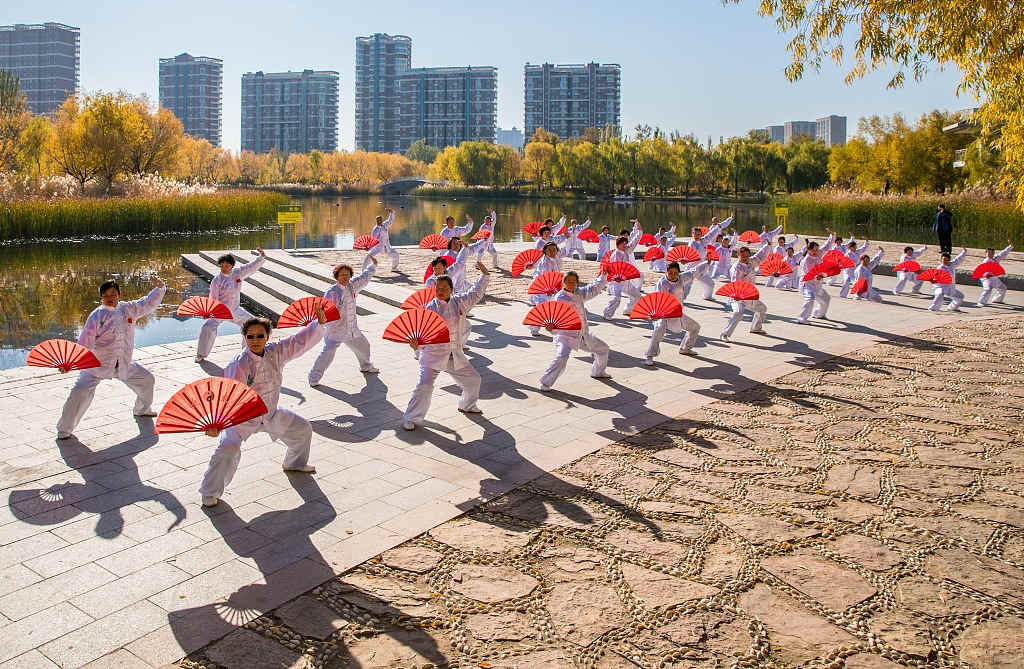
x: 545, y: 388
x: 200, y: 358
x: 408, y: 425
x: 649, y: 362
x: 210, y: 501
x: 723, y: 337
x: 314, y: 384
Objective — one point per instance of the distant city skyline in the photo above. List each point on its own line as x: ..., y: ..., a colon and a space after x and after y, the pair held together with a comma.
x: 679, y: 75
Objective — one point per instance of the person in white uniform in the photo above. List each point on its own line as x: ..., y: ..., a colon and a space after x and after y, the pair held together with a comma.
x: 567, y: 341
x: 701, y: 242
x: 675, y: 283
x: 768, y: 235
x: 789, y: 281
x: 551, y: 261
x: 743, y: 270
x: 261, y: 367
x: 546, y: 234
x: 665, y: 244
x: 450, y: 230
x: 853, y: 252
x: 864, y: 270
x: 701, y: 277
x: 992, y: 287
x: 109, y: 332
x: 383, y: 247
x: 575, y: 244
x: 605, y: 242
x: 909, y: 253
x: 226, y: 288
x: 781, y: 247
x: 450, y: 356
x: 623, y: 253
x: 460, y: 255
x: 944, y: 290
x: 345, y: 330
x: 816, y: 297
x: 488, y: 243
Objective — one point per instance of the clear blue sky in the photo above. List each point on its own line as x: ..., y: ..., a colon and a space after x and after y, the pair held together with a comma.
x: 693, y: 66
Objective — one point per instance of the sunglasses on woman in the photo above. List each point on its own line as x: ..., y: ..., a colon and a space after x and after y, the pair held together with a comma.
x: 255, y: 336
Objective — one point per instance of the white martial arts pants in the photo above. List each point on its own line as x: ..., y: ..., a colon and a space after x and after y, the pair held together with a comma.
x: 209, y: 332
x: 563, y: 350
x: 956, y: 298
x: 577, y: 251
x: 139, y: 379
x: 357, y: 343
x: 816, y: 298
x: 872, y: 295
x: 466, y: 377
x: 378, y: 251
x: 992, y: 287
x: 904, y: 278
x: 534, y: 301
x: 290, y: 428
x: 738, y: 306
x: 489, y: 248
x: 787, y: 281
x: 631, y: 291
x: 684, y: 324
x: 847, y: 283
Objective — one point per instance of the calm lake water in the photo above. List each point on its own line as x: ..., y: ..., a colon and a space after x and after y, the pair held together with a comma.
x: 48, y: 288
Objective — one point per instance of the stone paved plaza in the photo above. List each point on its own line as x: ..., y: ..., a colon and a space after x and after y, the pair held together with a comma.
x: 766, y: 503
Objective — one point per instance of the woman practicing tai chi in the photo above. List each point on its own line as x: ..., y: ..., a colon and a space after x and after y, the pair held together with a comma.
x: 944, y: 290
x: 743, y: 270
x: 864, y: 270
x: 567, y: 341
x: 908, y: 277
x: 488, y: 242
x: 816, y: 297
x: 261, y: 367
x: 345, y: 330
x: 460, y: 255
x: 674, y: 283
x: 992, y: 286
x: 448, y: 357
x: 109, y: 332
x: 449, y: 230
x: 623, y: 253
x: 574, y: 245
x: 551, y: 261
x: 547, y: 234
x: 383, y: 247
x: 226, y: 288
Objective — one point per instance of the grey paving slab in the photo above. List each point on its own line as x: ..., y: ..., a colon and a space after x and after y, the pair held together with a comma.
x: 95, y: 640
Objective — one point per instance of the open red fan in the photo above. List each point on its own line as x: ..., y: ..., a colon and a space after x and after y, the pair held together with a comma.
x: 654, y: 253
x: 683, y: 253
x: 620, y: 271
x: 562, y: 231
x: 214, y: 403
x: 61, y: 354
x: 607, y: 256
x: 448, y: 260
x: 547, y: 283
x: 434, y: 242
x: 750, y: 237
x: 703, y: 230
x: 533, y: 227
x: 739, y: 290
x: 839, y: 258
x: 712, y: 254
x: 775, y: 265
x: 303, y: 312
x: 525, y: 261
x: 364, y: 243
x: 860, y: 288
x: 647, y: 239
x: 988, y: 268
x: 204, y: 307
x: 935, y: 276
x: 420, y: 325
x: 559, y: 315
x: 822, y: 269
x: 589, y: 235
x: 483, y: 234
x: 908, y: 266
x: 420, y: 298
x: 654, y: 306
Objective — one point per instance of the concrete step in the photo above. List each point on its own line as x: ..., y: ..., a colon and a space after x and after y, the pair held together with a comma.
x: 380, y: 290
x: 285, y: 292
x: 254, y: 298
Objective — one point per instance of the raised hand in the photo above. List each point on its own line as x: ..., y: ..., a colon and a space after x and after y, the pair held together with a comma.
x: 321, y: 317
x: 157, y: 281
x: 213, y: 432
x: 263, y: 254
x: 483, y: 268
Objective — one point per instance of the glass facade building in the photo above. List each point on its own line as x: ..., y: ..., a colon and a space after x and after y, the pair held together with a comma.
x: 293, y: 112
x: 45, y: 58
x: 380, y: 59
x: 191, y: 87
x: 568, y: 99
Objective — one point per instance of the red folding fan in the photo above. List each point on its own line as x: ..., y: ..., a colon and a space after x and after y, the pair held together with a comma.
x: 547, y: 283
x: 839, y: 258
x: 420, y: 325
x: 214, y: 403
x: 364, y: 243
x: 861, y: 287
x: 654, y: 306
x: 822, y: 269
x: 683, y: 253
x: 483, y: 234
x: 607, y: 255
x: 303, y: 312
x: 739, y: 290
x: 434, y: 242
x: 750, y: 237
x: 703, y: 230
x: 620, y: 271
x: 589, y: 235
x: 204, y: 307
x: 533, y: 227
x: 908, y: 266
x: 775, y: 265
x: 647, y: 239
x: 935, y: 276
x: 712, y: 254
x: 448, y: 261
x: 61, y: 354
x: 525, y: 261
x: 559, y: 315
x: 420, y: 298
x: 562, y: 231
x: 988, y: 268
x: 654, y: 253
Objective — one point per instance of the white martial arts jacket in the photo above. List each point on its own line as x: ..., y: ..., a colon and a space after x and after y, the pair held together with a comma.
x: 457, y: 270
x: 380, y: 232
x: 806, y: 265
x: 456, y: 231
x: 745, y: 271
x: 264, y: 374
x: 998, y: 257
x: 856, y: 253
x: 605, y: 243
x: 574, y: 233
x: 435, y: 356
x: 676, y: 290
x: 701, y: 245
x: 768, y: 236
x: 948, y: 288
x: 489, y: 227
x: 227, y: 288
x: 913, y: 255
x: 862, y: 272
x: 344, y: 297
x: 781, y: 248
x: 549, y: 264
x: 110, y: 333
x: 572, y: 338
x: 558, y: 239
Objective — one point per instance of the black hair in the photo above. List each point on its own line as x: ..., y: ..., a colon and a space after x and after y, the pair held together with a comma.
x: 543, y: 228
x: 439, y: 259
x: 812, y: 245
x: 908, y: 249
x: 624, y: 232
x: 573, y: 274
x: 621, y: 239
x: 452, y: 241
x: 107, y: 285
x: 228, y: 258
x: 254, y: 321
x: 445, y: 279
x: 947, y: 256
x: 338, y: 268
x: 449, y: 218
x: 548, y: 221
x: 544, y: 250
x: 673, y: 265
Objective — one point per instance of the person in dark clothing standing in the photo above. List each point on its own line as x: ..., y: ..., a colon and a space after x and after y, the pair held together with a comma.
x: 943, y: 227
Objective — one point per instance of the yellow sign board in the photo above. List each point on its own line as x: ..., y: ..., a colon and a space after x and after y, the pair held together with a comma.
x: 781, y: 216
x: 289, y: 213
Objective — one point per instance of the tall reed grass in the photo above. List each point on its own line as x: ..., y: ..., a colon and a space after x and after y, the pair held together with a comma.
x: 87, y: 217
